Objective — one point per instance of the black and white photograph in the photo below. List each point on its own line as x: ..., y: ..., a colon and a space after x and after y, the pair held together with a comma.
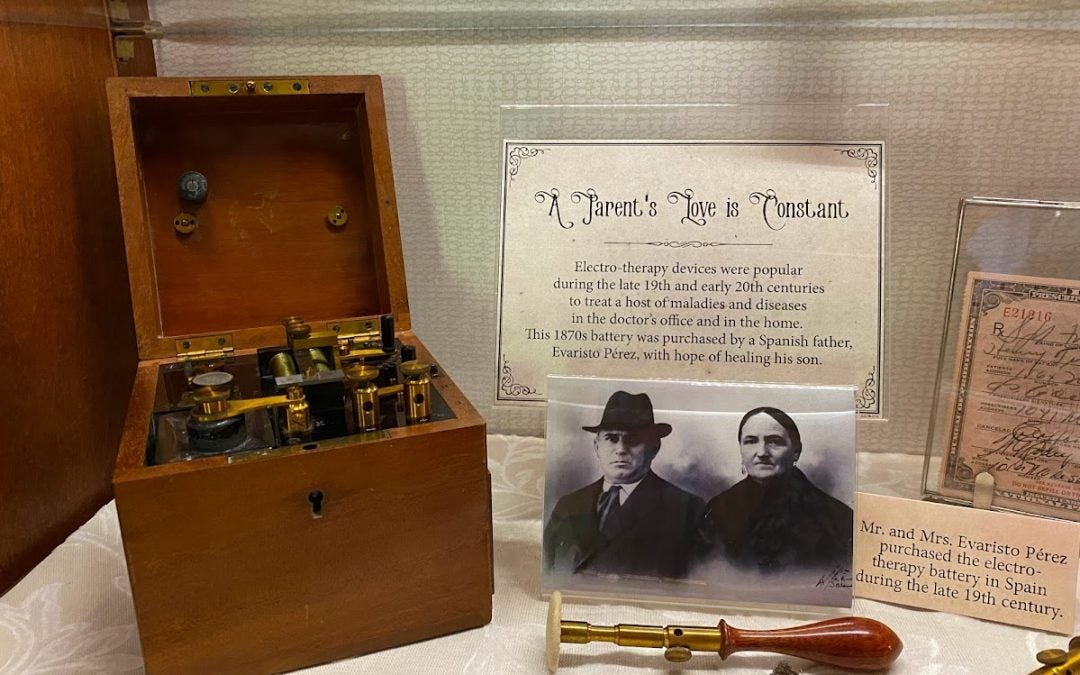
x: 707, y: 492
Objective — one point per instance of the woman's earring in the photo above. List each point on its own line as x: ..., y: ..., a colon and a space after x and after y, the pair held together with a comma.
x: 742, y: 470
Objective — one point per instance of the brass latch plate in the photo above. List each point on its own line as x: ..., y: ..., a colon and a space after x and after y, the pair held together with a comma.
x: 205, y: 347
x: 276, y: 87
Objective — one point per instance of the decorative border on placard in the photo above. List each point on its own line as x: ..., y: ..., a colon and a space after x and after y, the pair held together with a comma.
x: 517, y: 155
x: 867, y: 396
x: 509, y: 386
x: 868, y: 155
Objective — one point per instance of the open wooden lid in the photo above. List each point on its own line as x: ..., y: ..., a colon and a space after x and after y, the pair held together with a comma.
x: 280, y: 156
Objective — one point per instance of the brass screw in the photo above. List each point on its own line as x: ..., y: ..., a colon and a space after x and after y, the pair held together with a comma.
x: 250, y: 86
x: 678, y: 654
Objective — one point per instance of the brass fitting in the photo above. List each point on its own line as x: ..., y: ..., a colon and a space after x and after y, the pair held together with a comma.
x: 295, y: 328
x: 282, y: 365
x: 365, y: 396
x: 297, y: 413
x: 211, y: 395
x: 319, y: 362
x: 417, y: 376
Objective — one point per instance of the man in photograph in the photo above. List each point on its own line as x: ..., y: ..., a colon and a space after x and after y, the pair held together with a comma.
x: 629, y: 521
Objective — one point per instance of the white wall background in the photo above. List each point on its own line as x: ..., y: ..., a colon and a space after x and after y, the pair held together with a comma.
x: 983, y: 101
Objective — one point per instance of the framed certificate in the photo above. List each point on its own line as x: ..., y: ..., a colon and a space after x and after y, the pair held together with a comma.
x: 1008, y: 400
x: 1016, y: 409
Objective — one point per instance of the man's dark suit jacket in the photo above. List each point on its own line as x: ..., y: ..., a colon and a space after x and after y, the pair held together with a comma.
x: 659, y: 535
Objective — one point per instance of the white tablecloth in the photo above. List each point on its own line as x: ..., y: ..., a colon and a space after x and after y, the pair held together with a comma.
x: 73, y: 613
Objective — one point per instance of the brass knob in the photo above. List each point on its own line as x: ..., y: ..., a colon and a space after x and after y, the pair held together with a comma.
x: 360, y: 373
x: 415, y: 368
x: 215, y: 380
x: 678, y: 654
x: 290, y: 321
x: 211, y: 394
x: 193, y: 187
x: 297, y: 331
x: 1052, y: 657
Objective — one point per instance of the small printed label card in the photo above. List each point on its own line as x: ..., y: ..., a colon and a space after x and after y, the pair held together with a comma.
x: 1003, y: 567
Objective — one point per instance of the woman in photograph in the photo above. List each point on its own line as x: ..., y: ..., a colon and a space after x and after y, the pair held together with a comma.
x: 775, y: 518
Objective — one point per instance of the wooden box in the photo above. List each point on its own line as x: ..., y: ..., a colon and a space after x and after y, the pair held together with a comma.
x: 235, y: 565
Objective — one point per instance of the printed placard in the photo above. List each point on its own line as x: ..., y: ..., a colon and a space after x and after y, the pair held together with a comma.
x: 987, y: 564
x: 736, y: 260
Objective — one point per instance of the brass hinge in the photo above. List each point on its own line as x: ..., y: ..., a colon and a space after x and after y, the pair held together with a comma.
x: 204, y: 348
x: 272, y: 87
x: 361, y: 337
x: 126, y: 30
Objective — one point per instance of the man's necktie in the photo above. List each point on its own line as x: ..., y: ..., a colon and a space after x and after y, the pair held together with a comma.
x: 608, y: 510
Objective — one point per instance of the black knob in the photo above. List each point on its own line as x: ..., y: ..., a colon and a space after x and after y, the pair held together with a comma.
x: 193, y: 187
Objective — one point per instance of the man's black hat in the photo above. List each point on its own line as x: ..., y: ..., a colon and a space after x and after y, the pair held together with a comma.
x: 630, y: 412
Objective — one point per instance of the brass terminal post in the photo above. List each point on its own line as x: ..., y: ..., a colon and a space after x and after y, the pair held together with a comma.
x: 364, y: 393
x: 417, y: 376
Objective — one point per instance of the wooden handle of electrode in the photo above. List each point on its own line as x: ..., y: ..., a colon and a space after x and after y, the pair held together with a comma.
x: 854, y: 643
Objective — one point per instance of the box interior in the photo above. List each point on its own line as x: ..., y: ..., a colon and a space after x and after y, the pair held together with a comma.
x: 264, y: 247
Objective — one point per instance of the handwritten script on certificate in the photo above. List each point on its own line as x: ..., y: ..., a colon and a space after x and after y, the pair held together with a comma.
x: 1016, y: 412
x: 733, y: 260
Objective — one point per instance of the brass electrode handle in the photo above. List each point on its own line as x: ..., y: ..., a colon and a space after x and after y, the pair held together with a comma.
x: 853, y: 643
